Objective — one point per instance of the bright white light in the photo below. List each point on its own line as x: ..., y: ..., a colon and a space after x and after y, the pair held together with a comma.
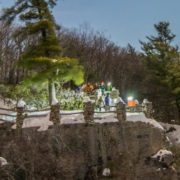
x: 109, y: 83
x: 130, y: 98
x: 54, y: 60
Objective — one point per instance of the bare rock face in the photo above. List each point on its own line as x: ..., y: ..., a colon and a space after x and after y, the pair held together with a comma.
x: 117, y: 151
x: 123, y: 148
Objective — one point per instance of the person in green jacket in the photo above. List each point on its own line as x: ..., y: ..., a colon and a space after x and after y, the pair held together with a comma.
x: 109, y: 86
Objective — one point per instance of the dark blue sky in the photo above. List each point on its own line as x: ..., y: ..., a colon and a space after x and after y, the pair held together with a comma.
x: 122, y: 21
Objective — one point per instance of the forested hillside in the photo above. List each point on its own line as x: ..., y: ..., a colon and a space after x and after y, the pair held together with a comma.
x: 152, y: 73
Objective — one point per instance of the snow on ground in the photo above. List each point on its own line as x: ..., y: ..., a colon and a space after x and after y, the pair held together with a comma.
x: 140, y: 117
x: 72, y: 119
x: 6, y: 106
x: 2, y: 105
x: 43, y: 122
x: 67, y: 118
x: 105, y: 118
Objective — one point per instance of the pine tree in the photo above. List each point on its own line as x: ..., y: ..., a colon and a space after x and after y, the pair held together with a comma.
x: 158, y: 51
x: 161, y: 60
x: 44, y: 60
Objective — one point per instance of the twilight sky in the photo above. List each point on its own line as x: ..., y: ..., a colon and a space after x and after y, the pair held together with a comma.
x: 122, y: 21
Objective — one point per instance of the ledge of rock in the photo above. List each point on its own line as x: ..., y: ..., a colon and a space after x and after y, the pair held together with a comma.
x: 83, y: 151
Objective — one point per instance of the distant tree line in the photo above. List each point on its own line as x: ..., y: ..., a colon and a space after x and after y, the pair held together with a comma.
x: 103, y: 60
x: 152, y: 73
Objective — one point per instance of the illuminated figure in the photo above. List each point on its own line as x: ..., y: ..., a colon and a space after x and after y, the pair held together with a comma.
x: 109, y: 86
x: 131, y: 101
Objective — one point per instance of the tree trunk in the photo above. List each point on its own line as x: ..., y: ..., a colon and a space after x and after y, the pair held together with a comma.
x: 52, y: 92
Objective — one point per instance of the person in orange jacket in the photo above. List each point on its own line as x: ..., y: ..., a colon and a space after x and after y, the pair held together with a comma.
x: 88, y: 88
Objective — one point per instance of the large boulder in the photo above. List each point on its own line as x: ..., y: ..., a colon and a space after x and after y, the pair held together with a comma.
x: 116, y: 150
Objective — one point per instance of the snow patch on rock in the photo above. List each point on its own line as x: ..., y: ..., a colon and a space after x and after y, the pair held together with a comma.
x: 3, y: 161
x: 21, y: 103
x: 42, y: 122
x: 164, y: 157
x: 140, y: 117
x: 174, y: 135
x: 161, y: 153
x: 106, y: 172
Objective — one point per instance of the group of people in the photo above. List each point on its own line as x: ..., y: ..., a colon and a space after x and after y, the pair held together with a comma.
x: 105, y: 95
x: 98, y: 86
x: 101, y: 92
x: 73, y: 99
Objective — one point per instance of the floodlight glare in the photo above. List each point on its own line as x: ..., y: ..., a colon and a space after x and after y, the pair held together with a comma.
x: 130, y: 98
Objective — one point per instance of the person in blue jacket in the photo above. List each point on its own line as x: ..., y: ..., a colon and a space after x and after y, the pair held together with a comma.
x: 107, y: 102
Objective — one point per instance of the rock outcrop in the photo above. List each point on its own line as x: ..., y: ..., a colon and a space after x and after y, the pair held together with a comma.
x: 84, y: 151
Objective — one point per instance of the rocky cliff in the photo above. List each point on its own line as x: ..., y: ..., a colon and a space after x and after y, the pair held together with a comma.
x: 83, y: 151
